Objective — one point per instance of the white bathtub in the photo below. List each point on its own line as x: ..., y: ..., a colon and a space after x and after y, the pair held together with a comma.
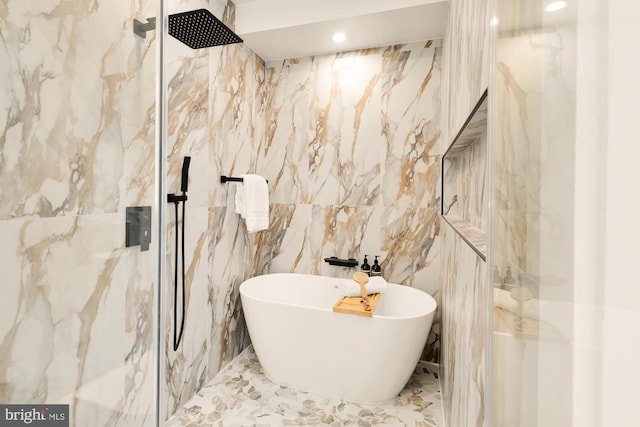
x: 302, y: 343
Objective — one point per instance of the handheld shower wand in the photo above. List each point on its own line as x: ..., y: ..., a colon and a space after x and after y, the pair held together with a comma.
x: 184, y: 182
x: 172, y: 198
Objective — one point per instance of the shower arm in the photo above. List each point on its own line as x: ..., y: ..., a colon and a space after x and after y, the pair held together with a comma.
x: 141, y: 28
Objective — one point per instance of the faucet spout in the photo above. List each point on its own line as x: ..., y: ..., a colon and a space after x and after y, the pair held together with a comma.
x: 351, y: 262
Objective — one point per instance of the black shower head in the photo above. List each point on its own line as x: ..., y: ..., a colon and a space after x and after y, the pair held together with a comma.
x: 199, y: 28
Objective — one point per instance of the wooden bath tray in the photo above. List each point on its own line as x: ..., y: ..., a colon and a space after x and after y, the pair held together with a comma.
x: 354, y: 305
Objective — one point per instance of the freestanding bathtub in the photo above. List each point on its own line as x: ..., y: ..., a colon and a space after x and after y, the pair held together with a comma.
x: 301, y: 343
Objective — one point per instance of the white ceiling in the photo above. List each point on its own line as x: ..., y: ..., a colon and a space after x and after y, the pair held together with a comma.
x: 277, y: 29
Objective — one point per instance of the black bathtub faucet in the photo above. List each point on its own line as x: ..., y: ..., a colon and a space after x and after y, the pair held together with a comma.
x: 351, y: 262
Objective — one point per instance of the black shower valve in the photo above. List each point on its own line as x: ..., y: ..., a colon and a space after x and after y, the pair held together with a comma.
x: 138, y: 227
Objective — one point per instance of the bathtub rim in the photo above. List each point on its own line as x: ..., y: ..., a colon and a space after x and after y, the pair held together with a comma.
x: 430, y: 300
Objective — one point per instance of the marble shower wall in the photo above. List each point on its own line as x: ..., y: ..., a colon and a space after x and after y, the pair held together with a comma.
x: 77, y: 145
x: 463, y: 374
x: 352, y: 155
x: 465, y: 57
x: 213, y: 115
x: 465, y: 291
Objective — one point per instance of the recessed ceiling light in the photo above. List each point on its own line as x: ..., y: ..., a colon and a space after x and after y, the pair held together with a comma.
x: 339, y: 37
x: 555, y: 6
x: 494, y: 21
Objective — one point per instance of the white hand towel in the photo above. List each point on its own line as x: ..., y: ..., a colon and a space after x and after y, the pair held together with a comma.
x: 240, y: 199
x: 254, y: 203
x: 375, y: 285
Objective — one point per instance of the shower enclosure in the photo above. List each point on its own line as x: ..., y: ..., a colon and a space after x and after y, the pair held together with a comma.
x: 86, y: 161
x: 79, y: 132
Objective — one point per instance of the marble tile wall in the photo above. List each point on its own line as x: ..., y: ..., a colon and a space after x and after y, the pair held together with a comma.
x: 464, y: 345
x: 213, y: 111
x: 465, y: 52
x: 352, y: 155
x: 465, y: 291
x: 77, y: 145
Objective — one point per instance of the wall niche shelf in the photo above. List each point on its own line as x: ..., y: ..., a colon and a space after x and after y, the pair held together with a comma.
x: 462, y: 204
x: 473, y: 236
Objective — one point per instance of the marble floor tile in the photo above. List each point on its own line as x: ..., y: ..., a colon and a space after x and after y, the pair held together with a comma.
x: 241, y: 395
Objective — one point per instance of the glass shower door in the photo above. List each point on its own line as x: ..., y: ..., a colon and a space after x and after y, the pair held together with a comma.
x: 78, y: 132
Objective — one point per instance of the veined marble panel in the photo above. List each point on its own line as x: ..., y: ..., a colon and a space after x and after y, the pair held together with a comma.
x: 138, y: 107
x: 236, y: 78
x: 341, y: 231
x: 188, y: 120
x: 53, y: 293
x: 72, y: 287
x: 229, y: 259
x: 288, y: 126
x: 345, y: 139
x: 186, y: 368
x: 465, y: 316
x: 409, y: 247
x: 65, y: 75
x: 409, y: 76
x: 285, y: 246
x: 411, y: 126
x: 465, y: 57
x: 140, y: 363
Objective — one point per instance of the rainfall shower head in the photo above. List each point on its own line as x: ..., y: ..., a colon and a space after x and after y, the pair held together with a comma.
x: 199, y: 28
